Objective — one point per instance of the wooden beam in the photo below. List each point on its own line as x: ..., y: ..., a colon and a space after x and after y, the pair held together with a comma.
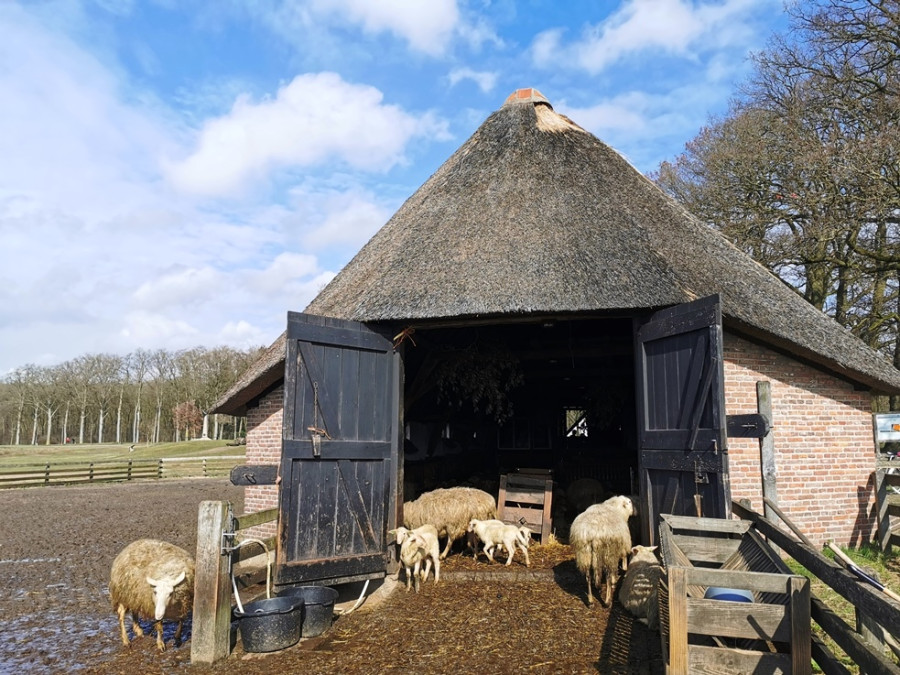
x: 211, y: 625
x: 767, y: 448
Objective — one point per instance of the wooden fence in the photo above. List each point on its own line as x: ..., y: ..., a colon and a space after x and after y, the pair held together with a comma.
x: 76, y: 473
x: 219, y: 548
x: 878, y: 616
x: 888, y: 503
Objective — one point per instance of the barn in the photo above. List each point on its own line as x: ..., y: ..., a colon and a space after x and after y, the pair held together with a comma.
x: 539, y: 303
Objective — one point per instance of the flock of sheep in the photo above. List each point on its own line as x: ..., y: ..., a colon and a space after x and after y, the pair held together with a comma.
x: 600, y: 536
x: 154, y: 580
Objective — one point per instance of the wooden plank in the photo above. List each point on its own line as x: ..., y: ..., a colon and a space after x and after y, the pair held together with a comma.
x: 332, y: 570
x: 760, y: 582
x: 518, y: 515
x: 211, y: 624
x: 256, y: 474
x: 767, y: 448
x: 751, y: 620
x: 248, y: 520
x: 303, y: 449
x: 531, y: 497
x: 703, y: 525
x: 337, y: 333
x: 751, y: 425
x: 678, y: 625
x: 719, y: 660
x: 707, y: 549
x: 801, y: 654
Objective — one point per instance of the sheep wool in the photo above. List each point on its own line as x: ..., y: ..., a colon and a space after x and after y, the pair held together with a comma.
x: 640, y: 587
x: 145, y: 570
x: 601, y: 540
x: 449, y: 510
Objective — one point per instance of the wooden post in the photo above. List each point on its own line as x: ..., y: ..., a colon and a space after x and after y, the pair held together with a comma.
x: 883, y: 517
x: 767, y: 449
x: 211, y: 625
x: 801, y: 638
x: 47, y: 474
x: 678, y: 629
x: 91, y: 472
x: 159, y: 468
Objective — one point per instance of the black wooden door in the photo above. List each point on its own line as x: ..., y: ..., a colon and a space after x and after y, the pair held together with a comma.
x: 681, y: 414
x: 340, y: 451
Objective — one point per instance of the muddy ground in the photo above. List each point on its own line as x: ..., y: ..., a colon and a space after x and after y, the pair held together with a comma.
x: 57, y: 544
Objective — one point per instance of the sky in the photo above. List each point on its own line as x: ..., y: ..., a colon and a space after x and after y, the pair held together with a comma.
x: 182, y: 173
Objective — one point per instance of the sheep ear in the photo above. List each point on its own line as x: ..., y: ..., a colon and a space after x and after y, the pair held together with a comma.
x: 653, y: 548
x: 152, y: 582
x: 179, y: 579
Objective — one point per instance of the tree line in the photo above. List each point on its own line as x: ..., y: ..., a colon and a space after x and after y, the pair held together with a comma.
x: 803, y: 172
x: 145, y: 396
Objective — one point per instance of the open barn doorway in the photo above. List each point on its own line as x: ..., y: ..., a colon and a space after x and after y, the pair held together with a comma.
x: 487, y: 400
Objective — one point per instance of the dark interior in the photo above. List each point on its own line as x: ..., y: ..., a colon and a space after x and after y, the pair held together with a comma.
x: 482, y: 401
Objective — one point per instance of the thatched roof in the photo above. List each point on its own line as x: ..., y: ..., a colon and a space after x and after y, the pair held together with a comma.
x: 534, y: 215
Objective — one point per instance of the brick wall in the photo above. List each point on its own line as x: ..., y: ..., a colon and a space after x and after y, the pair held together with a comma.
x: 264, y: 447
x: 824, y: 448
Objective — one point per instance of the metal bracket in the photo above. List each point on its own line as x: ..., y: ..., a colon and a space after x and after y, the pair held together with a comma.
x: 228, y: 534
x: 316, y: 445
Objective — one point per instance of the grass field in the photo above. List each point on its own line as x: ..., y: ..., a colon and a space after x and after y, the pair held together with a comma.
x: 40, y: 454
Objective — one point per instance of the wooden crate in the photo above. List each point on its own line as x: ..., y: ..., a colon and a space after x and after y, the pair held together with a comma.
x: 769, y: 635
x: 525, y: 499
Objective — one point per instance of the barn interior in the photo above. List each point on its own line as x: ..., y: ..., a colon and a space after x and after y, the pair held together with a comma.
x: 556, y: 395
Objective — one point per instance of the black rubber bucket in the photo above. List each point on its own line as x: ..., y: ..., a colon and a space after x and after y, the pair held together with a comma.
x: 318, y: 607
x: 270, y: 624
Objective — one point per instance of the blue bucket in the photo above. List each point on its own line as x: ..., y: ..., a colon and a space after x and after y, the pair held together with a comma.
x: 731, y: 594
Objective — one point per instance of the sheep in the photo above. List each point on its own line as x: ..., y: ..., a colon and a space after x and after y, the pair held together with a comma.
x: 153, y: 580
x: 640, y: 587
x: 496, y: 533
x: 449, y: 510
x: 415, y: 546
x: 601, y: 540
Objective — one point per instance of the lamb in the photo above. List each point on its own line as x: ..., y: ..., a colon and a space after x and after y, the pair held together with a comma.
x: 449, y: 510
x: 415, y: 546
x: 640, y: 587
x: 153, y: 580
x: 494, y: 533
x: 601, y: 540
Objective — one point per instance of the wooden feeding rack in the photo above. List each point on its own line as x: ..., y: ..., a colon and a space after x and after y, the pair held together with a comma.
x: 771, y: 634
x: 525, y: 499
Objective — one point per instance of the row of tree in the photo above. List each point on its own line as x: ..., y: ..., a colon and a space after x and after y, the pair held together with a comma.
x: 146, y: 396
x: 803, y: 173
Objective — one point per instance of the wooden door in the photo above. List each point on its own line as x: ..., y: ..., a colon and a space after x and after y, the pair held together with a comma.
x: 340, y: 451
x: 681, y: 414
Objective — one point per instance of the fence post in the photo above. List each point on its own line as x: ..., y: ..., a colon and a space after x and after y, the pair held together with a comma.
x: 47, y: 474
x: 129, y: 469
x: 159, y: 468
x: 767, y: 450
x: 211, y: 624
x: 204, y: 467
x: 91, y: 473
x: 883, y: 517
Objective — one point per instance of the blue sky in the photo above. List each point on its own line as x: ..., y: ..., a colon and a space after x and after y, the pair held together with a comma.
x: 179, y: 173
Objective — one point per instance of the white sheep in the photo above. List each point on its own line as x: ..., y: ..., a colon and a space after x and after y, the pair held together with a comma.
x: 449, y: 510
x: 601, y: 540
x: 418, y: 546
x: 153, y: 580
x: 495, y: 533
x: 640, y: 587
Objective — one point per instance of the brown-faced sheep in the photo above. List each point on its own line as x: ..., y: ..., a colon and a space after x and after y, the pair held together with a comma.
x: 449, y: 510
x: 601, y: 540
x: 640, y: 587
x: 154, y: 580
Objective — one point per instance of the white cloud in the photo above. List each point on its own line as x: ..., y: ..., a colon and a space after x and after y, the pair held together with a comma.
x: 427, y: 26
x: 315, y: 118
x: 678, y: 27
x: 183, y: 286
x: 485, y: 80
